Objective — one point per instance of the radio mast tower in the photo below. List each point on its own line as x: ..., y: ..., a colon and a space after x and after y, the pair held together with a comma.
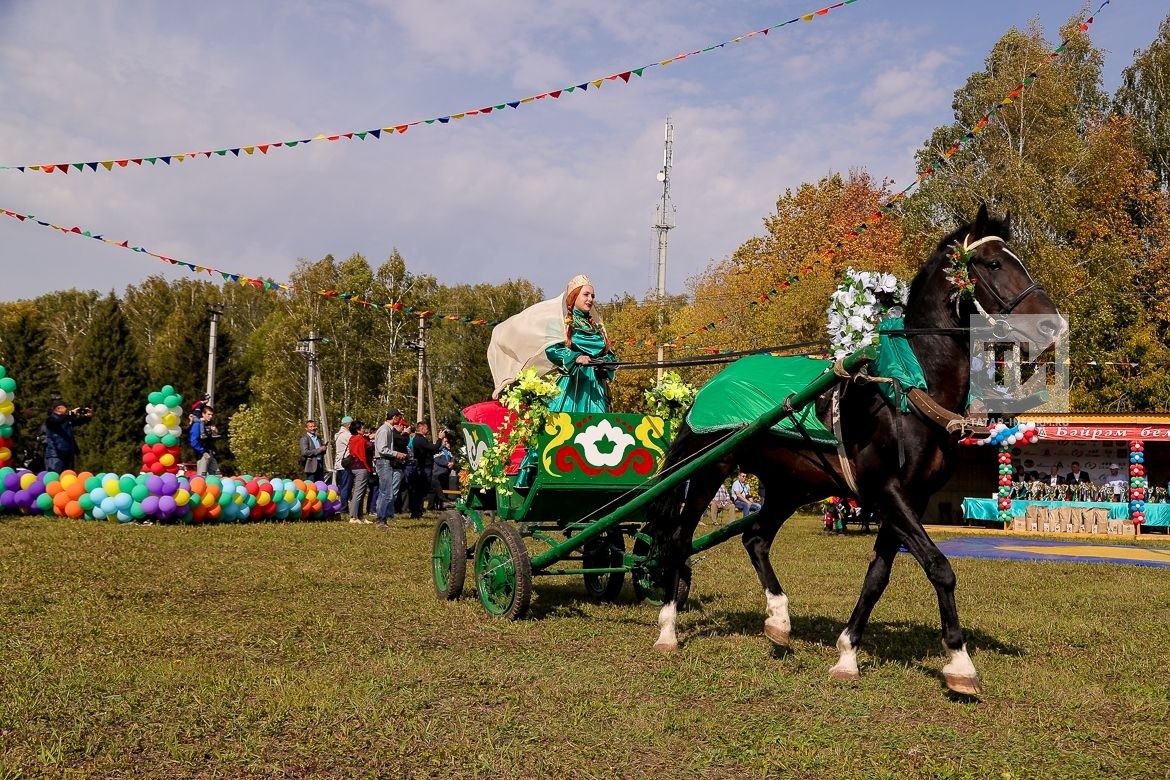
x: 663, y: 223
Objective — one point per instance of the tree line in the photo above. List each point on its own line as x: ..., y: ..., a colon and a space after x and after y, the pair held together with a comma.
x: 1084, y: 175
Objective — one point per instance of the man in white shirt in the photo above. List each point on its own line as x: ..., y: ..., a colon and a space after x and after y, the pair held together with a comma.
x: 342, y: 477
x: 741, y: 495
x: 1116, y: 482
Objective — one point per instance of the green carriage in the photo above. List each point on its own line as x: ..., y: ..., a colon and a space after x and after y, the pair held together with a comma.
x: 580, y: 469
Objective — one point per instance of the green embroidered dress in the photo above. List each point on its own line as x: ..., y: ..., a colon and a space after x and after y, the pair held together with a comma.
x: 582, y: 387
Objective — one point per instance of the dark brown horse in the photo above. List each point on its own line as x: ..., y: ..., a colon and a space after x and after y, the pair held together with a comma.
x: 896, y: 465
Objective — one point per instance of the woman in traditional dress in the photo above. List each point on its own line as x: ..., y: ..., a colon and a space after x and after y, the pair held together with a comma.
x: 583, y: 384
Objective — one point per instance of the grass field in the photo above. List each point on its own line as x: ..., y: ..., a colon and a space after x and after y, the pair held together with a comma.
x: 319, y: 650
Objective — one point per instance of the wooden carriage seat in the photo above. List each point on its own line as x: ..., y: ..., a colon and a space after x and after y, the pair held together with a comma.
x: 500, y: 419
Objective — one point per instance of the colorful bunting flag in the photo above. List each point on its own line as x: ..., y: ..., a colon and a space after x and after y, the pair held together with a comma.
x: 624, y: 75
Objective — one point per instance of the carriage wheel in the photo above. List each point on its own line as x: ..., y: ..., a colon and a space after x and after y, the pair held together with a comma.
x: 449, y: 555
x: 503, y: 572
x: 647, y: 586
x: 604, y: 553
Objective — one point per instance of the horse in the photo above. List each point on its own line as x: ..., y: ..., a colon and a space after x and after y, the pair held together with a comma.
x: 895, y: 465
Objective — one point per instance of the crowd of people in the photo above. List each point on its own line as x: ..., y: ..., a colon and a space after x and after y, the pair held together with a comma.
x: 394, y: 468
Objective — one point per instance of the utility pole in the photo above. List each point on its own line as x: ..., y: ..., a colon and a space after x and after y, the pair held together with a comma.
x: 308, y: 348
x: 215, y: 313
x: 662, y: 226
x: 422, y: 362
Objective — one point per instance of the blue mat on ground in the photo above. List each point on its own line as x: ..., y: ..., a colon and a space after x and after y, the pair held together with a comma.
x: 1017, y: 549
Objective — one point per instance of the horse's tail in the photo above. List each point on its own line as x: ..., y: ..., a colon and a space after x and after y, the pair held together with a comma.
x: 664, y: 511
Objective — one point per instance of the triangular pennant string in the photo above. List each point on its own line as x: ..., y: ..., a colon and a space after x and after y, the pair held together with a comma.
x: 623, y: 75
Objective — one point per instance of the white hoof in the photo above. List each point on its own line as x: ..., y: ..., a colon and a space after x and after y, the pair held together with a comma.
x: 666, y: 647
x: 777, y: 632
x: 777, y: 626
x: 845, y: 669
x: 841, y: 673
x: 960, y: 674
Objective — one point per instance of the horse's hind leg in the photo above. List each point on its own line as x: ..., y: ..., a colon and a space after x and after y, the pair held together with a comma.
x: 885, y: 548
x: 757, y: 540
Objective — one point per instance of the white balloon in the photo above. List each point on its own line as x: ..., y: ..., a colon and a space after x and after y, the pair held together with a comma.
x: 159, y: 430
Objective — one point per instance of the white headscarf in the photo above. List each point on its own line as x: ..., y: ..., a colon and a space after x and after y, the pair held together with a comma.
x: 519, y: 342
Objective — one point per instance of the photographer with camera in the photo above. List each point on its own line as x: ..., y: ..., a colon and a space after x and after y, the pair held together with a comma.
x: 203, y: 435
x: 61, y: 449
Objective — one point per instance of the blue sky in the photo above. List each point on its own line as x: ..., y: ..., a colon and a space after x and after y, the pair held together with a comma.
x: 544, y: 192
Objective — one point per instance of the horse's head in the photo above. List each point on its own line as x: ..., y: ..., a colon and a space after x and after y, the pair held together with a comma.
x: 979, y: 274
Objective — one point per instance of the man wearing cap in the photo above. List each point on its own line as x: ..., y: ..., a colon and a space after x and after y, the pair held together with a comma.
x: 1116, y: 482
x: 389, y: 461
x: 341, y: 475
x: 60, y: 444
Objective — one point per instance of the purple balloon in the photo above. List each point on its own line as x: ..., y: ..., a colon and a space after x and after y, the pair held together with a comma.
x: 36, y: 489
x: 24, y: 499
x: 12, y: 481
x: 170, y: 484
x: 154, y: 484
x: 8, y: 500
x: 167, y: 505
x: 150, y: 505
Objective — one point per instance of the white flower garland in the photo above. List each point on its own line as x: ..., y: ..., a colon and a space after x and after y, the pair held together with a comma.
x: 859, y: 304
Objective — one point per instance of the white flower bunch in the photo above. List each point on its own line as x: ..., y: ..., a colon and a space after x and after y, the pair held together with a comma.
x: 859, y: 305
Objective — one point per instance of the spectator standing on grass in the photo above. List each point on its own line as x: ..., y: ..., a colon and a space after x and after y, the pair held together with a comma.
x: 441, y: 471
x: 741, y: 495
x: 423, y: 452
x: 360, y: 467
x: 202, y: 438
x: 341, y: 475
x: 390, y: 455
x: 312, y: 453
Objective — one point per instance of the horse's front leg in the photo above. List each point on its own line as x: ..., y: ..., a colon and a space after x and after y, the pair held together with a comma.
x: 959, y: 673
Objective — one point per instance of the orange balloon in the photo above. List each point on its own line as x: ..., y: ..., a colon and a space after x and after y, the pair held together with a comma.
x: 53, y: 488
x: 75, y: 490
x: 74, y: 510
x: 215, y: 511
x: 197, y: 485
x: 60, y: 500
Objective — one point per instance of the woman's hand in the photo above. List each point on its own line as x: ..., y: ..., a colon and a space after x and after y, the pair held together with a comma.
x: 583, y: 360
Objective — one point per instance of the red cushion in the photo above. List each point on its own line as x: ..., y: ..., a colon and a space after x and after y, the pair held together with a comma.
x: 500, y: 419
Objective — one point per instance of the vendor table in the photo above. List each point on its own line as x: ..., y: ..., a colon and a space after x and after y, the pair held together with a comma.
x: 988, y: 509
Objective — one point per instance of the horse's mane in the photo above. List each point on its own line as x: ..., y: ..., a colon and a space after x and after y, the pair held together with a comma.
x: 942, y: 254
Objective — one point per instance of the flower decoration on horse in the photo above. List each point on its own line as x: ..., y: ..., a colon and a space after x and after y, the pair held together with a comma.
x: 859, y: 305
x: 959, y: 272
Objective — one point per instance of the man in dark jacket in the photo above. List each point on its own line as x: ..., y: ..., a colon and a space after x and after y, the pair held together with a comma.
x: 423, y: 451
x: 1076, y: 475
x: 312, y: 453
x: 61, y: 449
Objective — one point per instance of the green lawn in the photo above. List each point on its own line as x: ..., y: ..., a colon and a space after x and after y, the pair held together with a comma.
x: 318, y: 649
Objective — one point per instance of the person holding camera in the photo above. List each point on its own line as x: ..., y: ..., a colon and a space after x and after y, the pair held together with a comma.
x: 61, y: 449
x: 203, y: 435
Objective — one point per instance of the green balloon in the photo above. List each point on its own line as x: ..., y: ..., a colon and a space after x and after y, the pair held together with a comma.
x: 45, y: 502
x: 51, y: 476
x: 136, y: 511
x: 170, y: 440
x: 4, y: 472
x: 6, y: 431
x: 127, y: 482
x: 172, y: 401
x: 139, y: 492
x: 86, y: 502
x: 93, y: 482
x: 155, y: 398
x: 3, y: 372
x: 152, y: 439
x: 168, y: 389
x: 7, y: 383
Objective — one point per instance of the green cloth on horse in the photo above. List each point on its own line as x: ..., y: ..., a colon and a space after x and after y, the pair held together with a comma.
x: 752, y: 386
x: 896, y: 360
